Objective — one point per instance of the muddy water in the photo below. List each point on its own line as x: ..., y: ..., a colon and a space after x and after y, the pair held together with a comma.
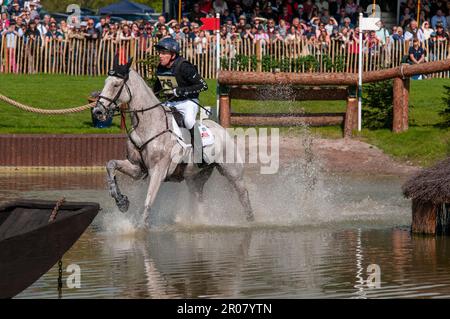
x: 315, y: 235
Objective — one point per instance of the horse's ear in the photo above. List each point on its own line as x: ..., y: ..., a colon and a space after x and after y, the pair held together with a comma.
x: 116, y: 62
x: 130, y: 62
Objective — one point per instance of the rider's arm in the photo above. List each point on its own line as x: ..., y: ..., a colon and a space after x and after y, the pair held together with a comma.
x: 197, y: 83
x: 157, y: 87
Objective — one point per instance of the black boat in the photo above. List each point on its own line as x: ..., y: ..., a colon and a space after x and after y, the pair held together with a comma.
x: 34, y: 236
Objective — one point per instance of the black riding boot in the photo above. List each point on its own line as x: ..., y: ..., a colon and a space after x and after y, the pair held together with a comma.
x: 197, y: 147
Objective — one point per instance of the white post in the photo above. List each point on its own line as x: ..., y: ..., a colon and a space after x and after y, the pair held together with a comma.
x: 217, y: 65
x: 360, y: 71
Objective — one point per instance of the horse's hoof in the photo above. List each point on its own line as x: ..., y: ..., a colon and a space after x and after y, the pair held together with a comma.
x: 250, y: 218
x: 123, y: 203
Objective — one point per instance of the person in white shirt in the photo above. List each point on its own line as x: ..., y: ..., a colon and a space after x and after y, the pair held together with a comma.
x: 40, y: 27
x: 427, y: 30
x: 413, y: 31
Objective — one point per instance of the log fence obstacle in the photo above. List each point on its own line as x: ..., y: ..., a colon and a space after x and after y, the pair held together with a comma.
x: 319, y: 86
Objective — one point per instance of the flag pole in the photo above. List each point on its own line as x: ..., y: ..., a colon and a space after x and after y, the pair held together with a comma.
x: 418, y: 13
x: 179, y: 10
x: 217, y: 64
x: 360, y: 69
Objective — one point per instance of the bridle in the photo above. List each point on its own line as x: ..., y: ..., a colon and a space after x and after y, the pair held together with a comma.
x: 108, y: 109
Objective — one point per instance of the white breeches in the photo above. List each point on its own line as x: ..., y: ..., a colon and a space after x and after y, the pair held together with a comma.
x: 188, y: 109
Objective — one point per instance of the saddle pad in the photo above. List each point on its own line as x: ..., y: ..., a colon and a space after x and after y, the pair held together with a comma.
x: 206, y: 134
x: 182, y: 133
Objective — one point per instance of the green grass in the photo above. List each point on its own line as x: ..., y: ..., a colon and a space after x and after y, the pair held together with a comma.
x: 423, y: 144
x: 49, y: 92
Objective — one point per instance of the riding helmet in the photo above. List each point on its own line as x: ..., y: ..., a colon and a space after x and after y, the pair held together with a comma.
x: 168, y: 44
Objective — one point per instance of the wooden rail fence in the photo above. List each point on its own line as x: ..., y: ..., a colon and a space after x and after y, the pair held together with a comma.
x: 86, y: 57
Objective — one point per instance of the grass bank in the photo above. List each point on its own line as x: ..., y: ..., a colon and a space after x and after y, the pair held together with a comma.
x: 423, y: 144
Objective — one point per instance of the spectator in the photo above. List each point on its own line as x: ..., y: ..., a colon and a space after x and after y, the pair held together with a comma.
x: 383, y: 34
x: 285, y: 15
x: 201, y: 42
x: 42, y: 29
x: 178, y: 34
x: 398, y: 35
x: 100, y: 25
x: 323, y: 40
x: 11, y: 36
x: 439, y: 18
x: 220, y: 6
x: 322, y: 5
x: 247, y: 34
x: 416, y: 53
x: 269, y: 14
x: 441, y: 35
x: 332, y: 24
x: 262, y: 36
x: 53, y: 33
x: 432, y: 43
x: 135, y: 31
x: 4, y: 21
x: 32, y: 33
x: 206, y: 6
x: 196, y: 14
x: 75, y: 32
x: 196, y: 31
x: 149, y: 30
x: 413, y: 32
x: 91, y: 33
x: 14, y: 9
x: 64, y: 28
x: 406, y: 18
x: 33, y: 10
x: 351, y: 8
x: 282, y: 28
x: 427, y: 31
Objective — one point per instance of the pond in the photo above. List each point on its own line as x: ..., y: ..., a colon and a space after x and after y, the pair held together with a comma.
x: 316, y: 235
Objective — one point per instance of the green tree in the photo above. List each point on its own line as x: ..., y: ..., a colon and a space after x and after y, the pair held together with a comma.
x: 377, y: 100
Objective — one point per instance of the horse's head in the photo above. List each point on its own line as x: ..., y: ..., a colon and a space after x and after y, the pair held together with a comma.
x: 115, y: 92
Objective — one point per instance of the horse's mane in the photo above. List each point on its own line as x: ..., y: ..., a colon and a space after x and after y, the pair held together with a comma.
x: 144, y: 87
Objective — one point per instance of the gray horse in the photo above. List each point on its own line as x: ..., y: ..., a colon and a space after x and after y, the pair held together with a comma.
x: 152, y: 148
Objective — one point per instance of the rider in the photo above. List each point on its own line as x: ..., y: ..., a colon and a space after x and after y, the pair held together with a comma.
x: 179, y: 80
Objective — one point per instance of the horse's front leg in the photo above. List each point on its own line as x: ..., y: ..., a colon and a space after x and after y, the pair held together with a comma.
x: 158, y: 175
x: 126, y: 167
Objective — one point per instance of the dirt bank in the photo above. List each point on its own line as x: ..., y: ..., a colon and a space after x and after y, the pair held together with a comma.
x: 343, y: 155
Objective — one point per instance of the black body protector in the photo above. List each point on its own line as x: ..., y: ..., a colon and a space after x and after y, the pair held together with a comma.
x: 182, y: 76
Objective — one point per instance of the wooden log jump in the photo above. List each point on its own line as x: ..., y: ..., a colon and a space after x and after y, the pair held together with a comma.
x: 244, y: 85
x: 339, y: 79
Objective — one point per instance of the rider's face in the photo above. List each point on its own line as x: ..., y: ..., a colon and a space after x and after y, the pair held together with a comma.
x: 165, y: 58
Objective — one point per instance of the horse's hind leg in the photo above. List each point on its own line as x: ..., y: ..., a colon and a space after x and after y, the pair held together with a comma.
x: 197, y: 183
x: 234, y: 174
x: 126, y: 167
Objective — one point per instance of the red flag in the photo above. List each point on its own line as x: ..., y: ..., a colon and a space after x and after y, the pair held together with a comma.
x: 210, y: 24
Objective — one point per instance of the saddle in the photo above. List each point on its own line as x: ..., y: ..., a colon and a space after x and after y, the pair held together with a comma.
x: 178, y: 117
x: 198, y: 137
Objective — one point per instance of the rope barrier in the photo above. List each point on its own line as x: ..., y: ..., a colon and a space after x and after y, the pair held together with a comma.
x: 46, y: 111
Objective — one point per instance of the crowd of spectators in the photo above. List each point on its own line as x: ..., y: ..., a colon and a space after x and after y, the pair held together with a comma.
x: 317, y: 21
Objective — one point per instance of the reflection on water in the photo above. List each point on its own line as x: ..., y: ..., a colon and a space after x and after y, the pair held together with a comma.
x: 307, y: 244
x: 297, y: 263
